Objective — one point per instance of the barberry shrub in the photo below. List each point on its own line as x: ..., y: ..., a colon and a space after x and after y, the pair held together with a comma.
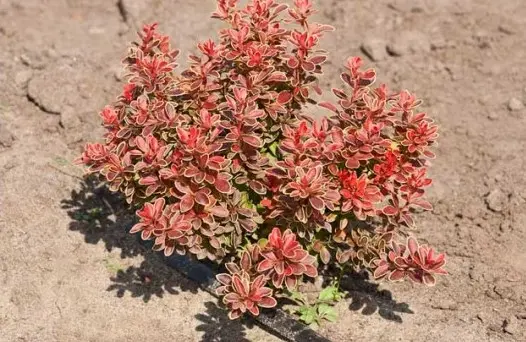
x: 224, y: 162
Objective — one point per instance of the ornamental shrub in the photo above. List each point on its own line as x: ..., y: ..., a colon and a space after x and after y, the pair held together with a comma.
x: 224, y: 162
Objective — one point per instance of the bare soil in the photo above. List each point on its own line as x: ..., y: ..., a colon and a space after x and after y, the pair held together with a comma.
x: 68, y: 272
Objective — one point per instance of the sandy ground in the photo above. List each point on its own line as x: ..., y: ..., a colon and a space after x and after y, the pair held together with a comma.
x: 68, y: 272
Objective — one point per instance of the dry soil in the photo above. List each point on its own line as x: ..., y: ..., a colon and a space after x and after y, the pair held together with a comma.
x: 68, y: 272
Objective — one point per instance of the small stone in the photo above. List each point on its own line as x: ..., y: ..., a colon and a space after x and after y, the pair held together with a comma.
x: 521, y: 315
x: 6, y: 138
x: 375, y: 49
x: 450, y: 305
x: 96, y: 30
x: 34, y: 61
x: 496, y: 200
x: 506, y: 29
x: 50, y: 53
x: 511, y: 325
x: 495, y: 327
x: 491, y: 294
x: 25, y: 59
x: 505, y: 226
x: 22, y: 78
x: 515, y: 104
x: 493, y: 116
x: 409, y: 42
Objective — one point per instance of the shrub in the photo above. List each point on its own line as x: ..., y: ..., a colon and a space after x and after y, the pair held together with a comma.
x: 224, y: 162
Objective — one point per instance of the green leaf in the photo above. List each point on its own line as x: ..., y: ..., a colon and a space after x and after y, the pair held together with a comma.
x: 308, y: 314
x: 327, y: 294
x: 273, y: 147
x: 330, y: 294
x: 262, y: 242
x: 328, y: 312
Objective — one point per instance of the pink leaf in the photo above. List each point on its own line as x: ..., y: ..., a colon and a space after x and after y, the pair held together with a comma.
x: 219, y: 211
x: 187, y: 203
x: 329, y: 106
x: 316, y: 203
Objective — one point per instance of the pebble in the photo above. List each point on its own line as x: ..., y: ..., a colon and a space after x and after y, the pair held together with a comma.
x: 450, y: 305
x: 496, y: 200
x: 495, y: 327
x: 34, y: 62
x: 22, y: 78
x: 511, y: 325
x: 493, y: 116
x: 514, y: 104
x: 409, y: 42
x: 96, y: 30
x: 506, y: 29
x: 375, y: 49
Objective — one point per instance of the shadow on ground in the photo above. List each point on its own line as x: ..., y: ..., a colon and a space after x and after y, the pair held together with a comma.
x: 217, y: 327
x: 368, y: 299
x: 103, y: 217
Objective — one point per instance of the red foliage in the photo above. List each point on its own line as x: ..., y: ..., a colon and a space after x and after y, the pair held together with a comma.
x: 242, y: 294
x: 285, y: 260
x: 216, y: 156
x: 418, y: 263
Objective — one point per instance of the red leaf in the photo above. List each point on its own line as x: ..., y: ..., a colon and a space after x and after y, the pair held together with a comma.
x: 202, y: 198
x: 252, y: 140
x: 284, y: 97
x: 223, y: 185
x: 265, y: 265
x: 390, y: 210
x: 268, y: 302
x: 318, y: 59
